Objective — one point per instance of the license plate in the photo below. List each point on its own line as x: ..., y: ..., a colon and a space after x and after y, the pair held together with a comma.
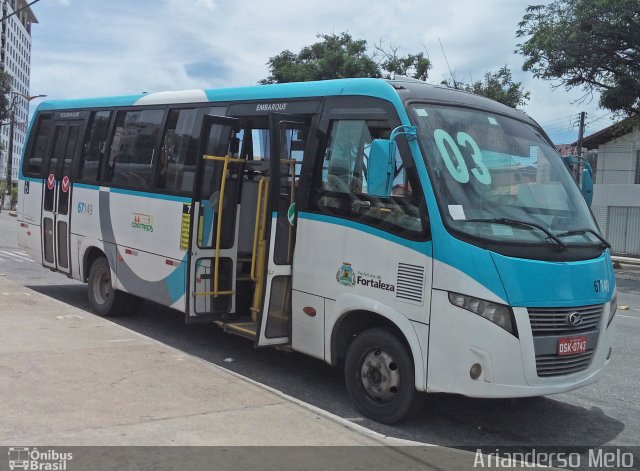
x: 572, y: 345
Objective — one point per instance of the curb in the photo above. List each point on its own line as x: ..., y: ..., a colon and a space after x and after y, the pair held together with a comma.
x: 618, y: 261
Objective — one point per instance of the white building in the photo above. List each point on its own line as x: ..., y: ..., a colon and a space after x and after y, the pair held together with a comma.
x: 616, y: 193
x: 15, y: 59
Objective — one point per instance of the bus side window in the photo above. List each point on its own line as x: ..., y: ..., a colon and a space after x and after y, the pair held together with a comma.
x: 133, y: 148
x: 340, y: 187
x: 32, y: 166
x: 178, y: 151
x: 94, y: 146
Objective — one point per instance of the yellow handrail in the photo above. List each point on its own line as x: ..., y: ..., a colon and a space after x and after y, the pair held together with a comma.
x: 259, y: 254
x: 259, y: 210
x: 225, y: 168
x: 233, y: 160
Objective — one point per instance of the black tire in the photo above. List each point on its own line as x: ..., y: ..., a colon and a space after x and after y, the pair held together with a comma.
x: 103, y: 299
x: 379, y: 376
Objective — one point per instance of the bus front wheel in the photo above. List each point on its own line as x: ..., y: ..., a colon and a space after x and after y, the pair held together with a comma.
x: 379, y: 376
x: 103, y: 299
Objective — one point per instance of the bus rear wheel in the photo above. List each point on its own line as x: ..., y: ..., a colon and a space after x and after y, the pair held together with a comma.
x: 104, y: 300
x: 379, y: 376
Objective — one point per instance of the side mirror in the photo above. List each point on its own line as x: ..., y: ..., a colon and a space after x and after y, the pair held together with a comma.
x: 380, y: 171
x: 382, y: 161
x: 587, y: 184
x: 585, y: 179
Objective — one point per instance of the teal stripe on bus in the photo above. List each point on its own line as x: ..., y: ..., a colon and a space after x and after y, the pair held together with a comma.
x: 420, y: 247
x: 144, y: 194
x: 139, y: 193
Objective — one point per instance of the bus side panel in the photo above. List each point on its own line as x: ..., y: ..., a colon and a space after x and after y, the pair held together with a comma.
x: 151, y: 256
x: 30, y: 201
x: 360, y: 268
x: 29, y: 217
x: 85, y: 226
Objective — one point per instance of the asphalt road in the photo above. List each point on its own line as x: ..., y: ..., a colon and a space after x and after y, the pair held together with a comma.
x: 606, y: 413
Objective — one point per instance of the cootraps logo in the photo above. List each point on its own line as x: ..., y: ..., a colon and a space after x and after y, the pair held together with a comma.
x: 348, y: 277
x: 143, y: 222
x: 34, y: 459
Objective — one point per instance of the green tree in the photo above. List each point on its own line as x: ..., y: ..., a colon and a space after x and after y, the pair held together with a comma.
x: 411, y: 65
x: 592, y: 44
x: 5, y: 100
x: 341, y: 56
x: 498, y: 86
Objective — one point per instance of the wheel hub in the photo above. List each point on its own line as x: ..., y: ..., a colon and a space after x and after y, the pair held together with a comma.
x: 380, y: 376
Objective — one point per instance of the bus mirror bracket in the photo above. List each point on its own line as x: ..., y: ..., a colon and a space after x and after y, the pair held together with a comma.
x: 382, y: 161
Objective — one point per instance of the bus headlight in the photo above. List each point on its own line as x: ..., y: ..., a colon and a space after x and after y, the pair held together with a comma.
x: 499, y: 314
x: 613, y: 307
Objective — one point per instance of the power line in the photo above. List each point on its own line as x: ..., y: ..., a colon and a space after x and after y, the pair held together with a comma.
x: 559, y: 118
x: 19, y: 10
x: 600, y: 117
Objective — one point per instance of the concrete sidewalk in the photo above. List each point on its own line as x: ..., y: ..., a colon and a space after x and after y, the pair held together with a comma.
x: 68, y: 377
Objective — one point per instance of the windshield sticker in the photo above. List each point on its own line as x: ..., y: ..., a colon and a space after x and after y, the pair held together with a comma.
x: 457, y: 212
x: 421, y: 112
x: 456, y: 164
x: 492, y: 120
x: 501, y: 230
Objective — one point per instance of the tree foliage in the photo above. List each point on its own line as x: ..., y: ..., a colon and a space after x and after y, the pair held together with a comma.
x: 6, y: 82
x: 498, y: 86
x: 391, y: 64
x: 592, y: 44
x: 341, y: 56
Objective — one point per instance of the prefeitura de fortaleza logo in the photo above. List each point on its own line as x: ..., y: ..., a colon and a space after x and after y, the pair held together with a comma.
x: 345, y: 275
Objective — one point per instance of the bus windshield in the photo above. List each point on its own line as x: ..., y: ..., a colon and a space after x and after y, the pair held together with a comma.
x: 498, y: 179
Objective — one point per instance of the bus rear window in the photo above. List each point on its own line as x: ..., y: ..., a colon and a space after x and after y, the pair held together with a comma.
x: 32, y: 166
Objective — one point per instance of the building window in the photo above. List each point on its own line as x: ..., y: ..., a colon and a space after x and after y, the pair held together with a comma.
x: 637, y: 179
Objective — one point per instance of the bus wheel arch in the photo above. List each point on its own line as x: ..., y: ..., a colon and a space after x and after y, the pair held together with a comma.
x: 104, y: 299
x: 353, y: 323
x: 90, y: 256
x: 379, y: 365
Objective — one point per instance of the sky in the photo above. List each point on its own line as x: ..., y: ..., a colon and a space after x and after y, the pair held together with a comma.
x: 88, y: 48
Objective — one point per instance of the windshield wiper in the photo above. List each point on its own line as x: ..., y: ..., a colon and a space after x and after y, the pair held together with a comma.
x: 516, y: 223
x: 585, y: 231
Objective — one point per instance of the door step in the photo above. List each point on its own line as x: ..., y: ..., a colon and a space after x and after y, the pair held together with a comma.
x: 243, y: 329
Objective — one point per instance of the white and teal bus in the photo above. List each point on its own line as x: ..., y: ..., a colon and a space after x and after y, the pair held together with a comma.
x: 426, y: 239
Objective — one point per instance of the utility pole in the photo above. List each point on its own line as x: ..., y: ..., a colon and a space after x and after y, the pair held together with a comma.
x: 12, y: 120
x: 581, y: 132
x: 579, y: 167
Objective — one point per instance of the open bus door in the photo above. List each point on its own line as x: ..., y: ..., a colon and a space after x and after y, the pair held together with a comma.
x: 57, y: 189
x: 212, y: 256
x: 272, y: 298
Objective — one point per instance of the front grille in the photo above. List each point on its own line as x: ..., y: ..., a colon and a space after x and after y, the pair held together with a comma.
x: 554, y: 321
x: 556, y: 365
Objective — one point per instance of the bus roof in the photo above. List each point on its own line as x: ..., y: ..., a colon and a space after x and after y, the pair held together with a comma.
x: 396, y: 91
x: 365, y: 86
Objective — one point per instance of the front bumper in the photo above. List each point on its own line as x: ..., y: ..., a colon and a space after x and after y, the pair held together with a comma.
x: 460, y: 339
